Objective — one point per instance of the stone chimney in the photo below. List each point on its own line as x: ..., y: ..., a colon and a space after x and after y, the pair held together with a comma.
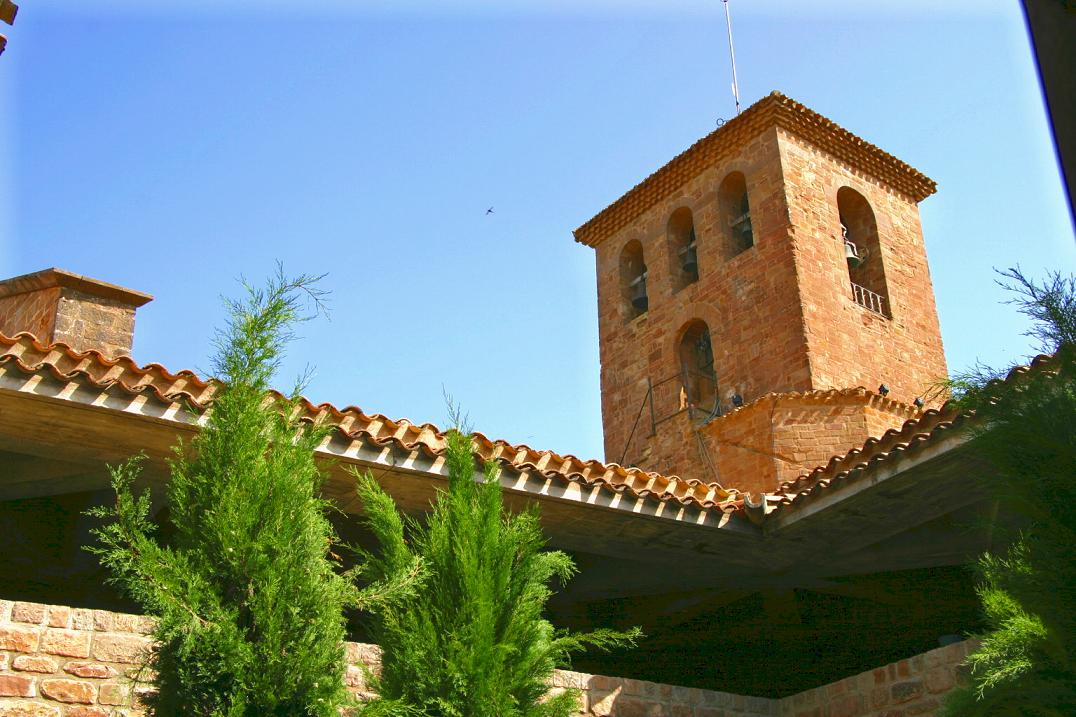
x: 57, y: 306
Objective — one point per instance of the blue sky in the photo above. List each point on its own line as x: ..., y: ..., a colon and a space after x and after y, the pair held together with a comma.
x: 172, y: 146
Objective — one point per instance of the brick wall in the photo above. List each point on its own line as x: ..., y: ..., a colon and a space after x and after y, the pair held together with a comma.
x: 848, y: 345
x: 34, y: 312
x: 58, y: 661
x: 748, y: 302
x: 768, y: 441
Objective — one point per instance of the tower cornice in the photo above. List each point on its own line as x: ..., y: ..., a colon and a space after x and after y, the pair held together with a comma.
x: 774, y: 110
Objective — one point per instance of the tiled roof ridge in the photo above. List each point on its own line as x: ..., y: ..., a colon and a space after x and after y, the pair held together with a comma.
x: 823, y: 395
x: 913, y: 434
x: 786, y: 113
x: 65, y: 363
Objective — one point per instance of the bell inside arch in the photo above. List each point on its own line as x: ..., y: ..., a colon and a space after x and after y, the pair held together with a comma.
x: 689, y: 259
x: 638, y: 292
x: 851, y: 255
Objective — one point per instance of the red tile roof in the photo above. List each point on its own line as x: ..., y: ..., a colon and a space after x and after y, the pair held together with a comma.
x: 891, y: 447
x: 91, y: 368
x: 94, y: 369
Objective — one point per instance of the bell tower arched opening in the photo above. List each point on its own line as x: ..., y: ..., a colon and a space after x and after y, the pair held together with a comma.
x: 633, y: 280
x: 862, y: 252
x: 735, y: 215
x: 683, y: 252
x: 697, y: 371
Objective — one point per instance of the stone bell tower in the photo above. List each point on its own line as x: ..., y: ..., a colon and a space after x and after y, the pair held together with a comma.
x: 764, y: 301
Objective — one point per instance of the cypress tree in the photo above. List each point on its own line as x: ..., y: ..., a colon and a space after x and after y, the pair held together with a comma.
x: 249, y: 607
x: 1026, y: 428
x: 473, y: 641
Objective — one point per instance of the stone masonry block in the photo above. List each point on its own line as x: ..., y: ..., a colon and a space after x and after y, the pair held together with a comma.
x: 92, y: 670
x: 112, y: 693
x: 34, y: 663
x: 69, y: 691
x: 29, y: 612
x: 83, y: 711
x: 21, y: 708
x: 906, y: 691
x: 16, y: 686
x: 59, y: 616
x: 120, y: 647
x: 69, y: 643
x: 18, y: 638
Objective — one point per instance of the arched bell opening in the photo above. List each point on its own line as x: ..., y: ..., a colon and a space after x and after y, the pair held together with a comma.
x: 697, y: 371
x: 633, y: 280
x: 735, y: 210
x: 862, y: 251
x: 683, y: 249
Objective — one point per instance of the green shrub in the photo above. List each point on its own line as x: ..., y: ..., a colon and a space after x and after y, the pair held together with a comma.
x: 249, y: 608
x: 472, y: 642
x: 1026, y: 428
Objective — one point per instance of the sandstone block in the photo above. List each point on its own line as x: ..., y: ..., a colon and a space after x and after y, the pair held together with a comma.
x: 89, y: 669
x: 81, y: 711
x: 34, y: 663
x: 28, y: 709
x: 16, y: 686
x: 906, y: 691
x: 119, y: 647
x: 59, y: 616
x: 69, y: 691
x: 18, y: 638
x: 30, y: 612
x: 114, y: 694
x: 82, y: 619
x: 638, y: 707
x: 938, y: 679
x: 69, y: 643
x: 602, y: 703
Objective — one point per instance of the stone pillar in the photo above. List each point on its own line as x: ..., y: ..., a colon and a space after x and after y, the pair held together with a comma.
x: 57, y: 306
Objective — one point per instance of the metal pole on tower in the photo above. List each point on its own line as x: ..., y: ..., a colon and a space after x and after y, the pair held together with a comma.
x: 732, y: 54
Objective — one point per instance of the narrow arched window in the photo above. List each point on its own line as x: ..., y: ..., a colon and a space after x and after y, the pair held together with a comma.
x: 697, y: 370
x: 633, y: 279
x: 862, y: 252
x: 735, y: 210
x: 683, y: 252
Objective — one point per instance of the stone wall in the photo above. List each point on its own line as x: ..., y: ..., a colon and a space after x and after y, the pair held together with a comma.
x: 84, y: 321
x: 915, y: 686
x: 58, y: 661
x: 58, y: 306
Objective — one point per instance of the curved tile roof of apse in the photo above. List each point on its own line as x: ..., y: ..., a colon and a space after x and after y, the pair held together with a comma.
x: 94, y: 369
x: 773, y: 110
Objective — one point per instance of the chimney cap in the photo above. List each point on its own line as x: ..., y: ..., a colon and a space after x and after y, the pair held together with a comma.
x: 49, y: 278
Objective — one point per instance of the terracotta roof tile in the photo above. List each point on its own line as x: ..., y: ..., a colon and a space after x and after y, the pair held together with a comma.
x: 95, y: 369
x: 893, y: 445
x: 773, y: 110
